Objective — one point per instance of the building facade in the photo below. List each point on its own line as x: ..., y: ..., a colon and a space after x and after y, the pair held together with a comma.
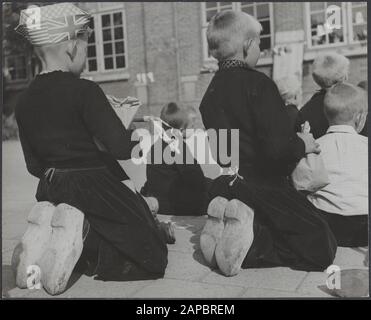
x: 158, y: 52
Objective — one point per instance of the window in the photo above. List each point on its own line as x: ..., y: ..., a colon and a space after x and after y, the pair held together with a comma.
x: 353, y: 22
x: 358, y: 18
x: 107, y: 44
x: 92, y: 62
x: 16, y: 68
x: 262, y: 11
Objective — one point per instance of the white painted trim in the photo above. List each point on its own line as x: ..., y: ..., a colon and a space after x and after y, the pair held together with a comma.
x: 113, y: 6
x: 346, y: 50
x: 116, y: 76
x: 193, y: 78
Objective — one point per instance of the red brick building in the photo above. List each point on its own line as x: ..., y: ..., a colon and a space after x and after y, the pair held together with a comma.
x: 158, y: 51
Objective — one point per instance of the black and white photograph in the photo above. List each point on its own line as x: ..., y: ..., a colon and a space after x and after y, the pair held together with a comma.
x: 185, y: 150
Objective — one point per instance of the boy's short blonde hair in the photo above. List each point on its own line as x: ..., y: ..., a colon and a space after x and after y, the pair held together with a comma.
x: 289, y: 89
x: 227, y: 31
x: 343, y: 101
x: 330, y: 69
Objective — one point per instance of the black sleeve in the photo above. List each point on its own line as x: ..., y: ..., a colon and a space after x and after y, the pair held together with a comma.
x: 104, y: 124
x: 34, y: 165
x: 276, y: 139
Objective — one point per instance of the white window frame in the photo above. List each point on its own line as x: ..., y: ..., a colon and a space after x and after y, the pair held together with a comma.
x: 237, y: 7
x: 15, y: 56
x: 346, y: 11
x: 101, y: 71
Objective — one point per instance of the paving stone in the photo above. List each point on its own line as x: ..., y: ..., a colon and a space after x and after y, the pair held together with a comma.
x: 271, y: 293
x: 186, y: 241
x: 350, y: 258
x: 169, y: 288
x: 87, y: 287
x: 192, y: 224
x: 7, y: 257
x: 275, y: 278
x: 314, y: 285
x: 8, y: 245
x: 13, y: 231
x: 186, y: 266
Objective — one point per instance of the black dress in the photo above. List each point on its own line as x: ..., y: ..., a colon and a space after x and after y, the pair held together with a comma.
x: 58, y: 116
x: 180, y: 188
x: 288, y: 230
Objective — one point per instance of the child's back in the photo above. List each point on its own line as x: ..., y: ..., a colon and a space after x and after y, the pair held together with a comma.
x: 59, y: 114
x: 343, y: 203
x: 345, y: 155
x: 242, y: 98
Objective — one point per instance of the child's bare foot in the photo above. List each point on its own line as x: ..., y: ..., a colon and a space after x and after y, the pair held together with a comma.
x: 64, y: 249
x: 213, y: 229
x: 236, y: 239
x: 34, y: 241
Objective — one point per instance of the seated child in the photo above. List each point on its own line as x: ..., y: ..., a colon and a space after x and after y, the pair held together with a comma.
x: 179, y: 188
x: 290, y: 92
x: 344, y: 202
x: 59, y: 117
x: 255, y: 218
x: 328, y: 69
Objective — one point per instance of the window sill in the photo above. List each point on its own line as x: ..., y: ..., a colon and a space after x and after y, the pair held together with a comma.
x: 349, y: 50
x: 107, y: 77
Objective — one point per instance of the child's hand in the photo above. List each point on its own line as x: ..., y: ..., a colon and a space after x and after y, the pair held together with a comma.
x: 311, y: 146
x: 131, y: 102
x: 128, y: 101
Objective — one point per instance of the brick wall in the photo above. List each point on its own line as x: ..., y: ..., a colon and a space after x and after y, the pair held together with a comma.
x: 288, y: 16
x: 151, y: 46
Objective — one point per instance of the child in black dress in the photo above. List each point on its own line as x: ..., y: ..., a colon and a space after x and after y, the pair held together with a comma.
x: 59, y: 116
x: 328, y: 69
x: 180, y: 188
x: 256, y: 219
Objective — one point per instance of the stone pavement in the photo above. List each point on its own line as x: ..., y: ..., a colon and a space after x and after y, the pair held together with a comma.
x: 187, y: 275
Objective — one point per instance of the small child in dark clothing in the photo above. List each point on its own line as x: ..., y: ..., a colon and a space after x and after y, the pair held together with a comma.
x: 179, y: 188
x: 328, y: 70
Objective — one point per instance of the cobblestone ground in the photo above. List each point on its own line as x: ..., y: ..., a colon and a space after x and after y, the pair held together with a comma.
x: 187, y: 275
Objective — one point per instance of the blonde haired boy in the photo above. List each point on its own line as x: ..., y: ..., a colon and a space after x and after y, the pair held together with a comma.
x: 256, y: 219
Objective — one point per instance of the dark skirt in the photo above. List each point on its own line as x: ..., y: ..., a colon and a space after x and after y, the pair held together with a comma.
x: 123, y: 232
x: 288, y: 229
